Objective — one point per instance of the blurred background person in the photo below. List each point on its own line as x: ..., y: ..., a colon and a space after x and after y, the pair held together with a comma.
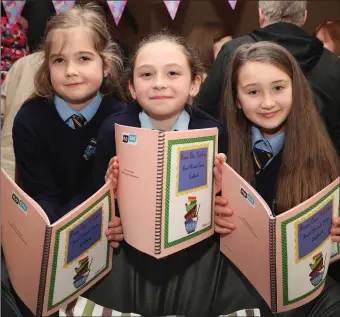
x: 207, y: 39
x: 37, y: 13
x: 328, y: 32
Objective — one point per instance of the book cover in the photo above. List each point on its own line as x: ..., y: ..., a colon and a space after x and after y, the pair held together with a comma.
x: 289, y: 253
x: 304, y: 247
x: 62, y: 260
x: 166, y: 196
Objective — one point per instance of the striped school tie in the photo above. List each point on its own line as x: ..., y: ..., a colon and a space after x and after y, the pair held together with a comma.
x: 261, y: 157
x: 78, y: 120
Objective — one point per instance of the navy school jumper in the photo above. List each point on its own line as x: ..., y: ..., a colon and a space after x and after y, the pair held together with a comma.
x: 54, y: 161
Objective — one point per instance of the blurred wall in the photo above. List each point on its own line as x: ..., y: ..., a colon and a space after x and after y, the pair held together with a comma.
x: 144, y: 16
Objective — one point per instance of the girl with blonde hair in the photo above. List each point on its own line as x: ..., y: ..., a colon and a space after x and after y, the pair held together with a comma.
x: 76, y: 88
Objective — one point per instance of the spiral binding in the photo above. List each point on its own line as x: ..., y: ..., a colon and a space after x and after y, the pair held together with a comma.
x: 272, y: 259
x: 159, y: 191
x: 43, y: 274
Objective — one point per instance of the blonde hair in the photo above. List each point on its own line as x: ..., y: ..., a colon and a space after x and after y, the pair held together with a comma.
x: 88, y: 16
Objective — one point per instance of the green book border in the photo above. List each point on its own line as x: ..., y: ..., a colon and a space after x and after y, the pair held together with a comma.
x: 171, y: 143
x: 284, y: 224
x: 56, y: 247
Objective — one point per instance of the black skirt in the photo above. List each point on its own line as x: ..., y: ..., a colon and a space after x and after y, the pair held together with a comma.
x: 198, y: 281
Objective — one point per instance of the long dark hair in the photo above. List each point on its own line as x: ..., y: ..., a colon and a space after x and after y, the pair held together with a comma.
x: 309, y: 160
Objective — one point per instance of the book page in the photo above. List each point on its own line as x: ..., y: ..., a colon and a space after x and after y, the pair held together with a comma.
x: 80, y: 252
x: 188, y: 198
x: 248, y: 245
x: 304, y: 248
x: 335, y: 253
x: 137, y: 150
x: 23, y: 225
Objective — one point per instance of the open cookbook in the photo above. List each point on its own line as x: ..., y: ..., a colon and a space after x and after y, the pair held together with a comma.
x: 51, y: 265
x: 285, y: 257
x: 166, y: 187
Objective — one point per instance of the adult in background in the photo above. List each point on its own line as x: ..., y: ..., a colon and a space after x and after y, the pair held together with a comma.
x: 281, y: 22
x: 207, y: 40
x: 328, y: 33
x: 37, y: 13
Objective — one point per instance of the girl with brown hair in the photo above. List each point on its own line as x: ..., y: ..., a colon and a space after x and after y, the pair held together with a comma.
x: 276, y: 138
x: 267, y: 105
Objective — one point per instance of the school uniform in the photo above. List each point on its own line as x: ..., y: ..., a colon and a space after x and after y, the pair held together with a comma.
x: 267, y: 154
x: 53, y: 157
x: 183, y: 283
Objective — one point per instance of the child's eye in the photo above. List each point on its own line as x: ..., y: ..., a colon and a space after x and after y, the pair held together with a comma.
x: 253, y: 92
x: 146, y: 74
x: 58, y: 60
x: 278, y: 88
x: 84, y: 58
x: 172, y: 73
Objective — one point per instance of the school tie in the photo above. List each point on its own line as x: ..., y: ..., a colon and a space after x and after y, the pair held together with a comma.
x: 261, y: 157
x: 78, y: 120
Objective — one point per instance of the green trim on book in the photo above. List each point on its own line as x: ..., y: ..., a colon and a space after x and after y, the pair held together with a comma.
x: 56, y: 248
x: 284, y: 224
x: 171, y: 143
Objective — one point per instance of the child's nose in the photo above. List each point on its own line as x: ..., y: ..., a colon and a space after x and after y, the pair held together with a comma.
x: 159, y: 83
x: 71, y: 70
x: 268, y: 103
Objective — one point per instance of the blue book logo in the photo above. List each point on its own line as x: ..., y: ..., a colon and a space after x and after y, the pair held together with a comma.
x: 248, y: 197
x: 20, y: 203
x: 130, y: 138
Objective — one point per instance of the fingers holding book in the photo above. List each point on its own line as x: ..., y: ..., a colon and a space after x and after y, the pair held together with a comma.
x: 113, y: 172
x: 115, y: 232
x: 219, y: 160
x: 336, y: 229
x: 224, y: 224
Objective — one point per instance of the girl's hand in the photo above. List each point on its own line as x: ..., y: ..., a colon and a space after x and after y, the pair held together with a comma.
x: 115, y: 232
x: 113, y: 172
x: 223, y: 223
x: 219, y: 160
x: 336, y: 229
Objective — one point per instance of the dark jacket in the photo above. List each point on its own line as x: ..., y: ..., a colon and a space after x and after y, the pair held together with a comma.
x: 54, y: 161
x: 320, y: 66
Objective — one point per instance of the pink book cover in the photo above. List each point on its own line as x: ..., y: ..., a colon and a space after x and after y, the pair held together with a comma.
x: 165, y: 196
x: 248, y: 245
x: 304, y: 247
x: 294, y: 247
x: 62, y: 260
